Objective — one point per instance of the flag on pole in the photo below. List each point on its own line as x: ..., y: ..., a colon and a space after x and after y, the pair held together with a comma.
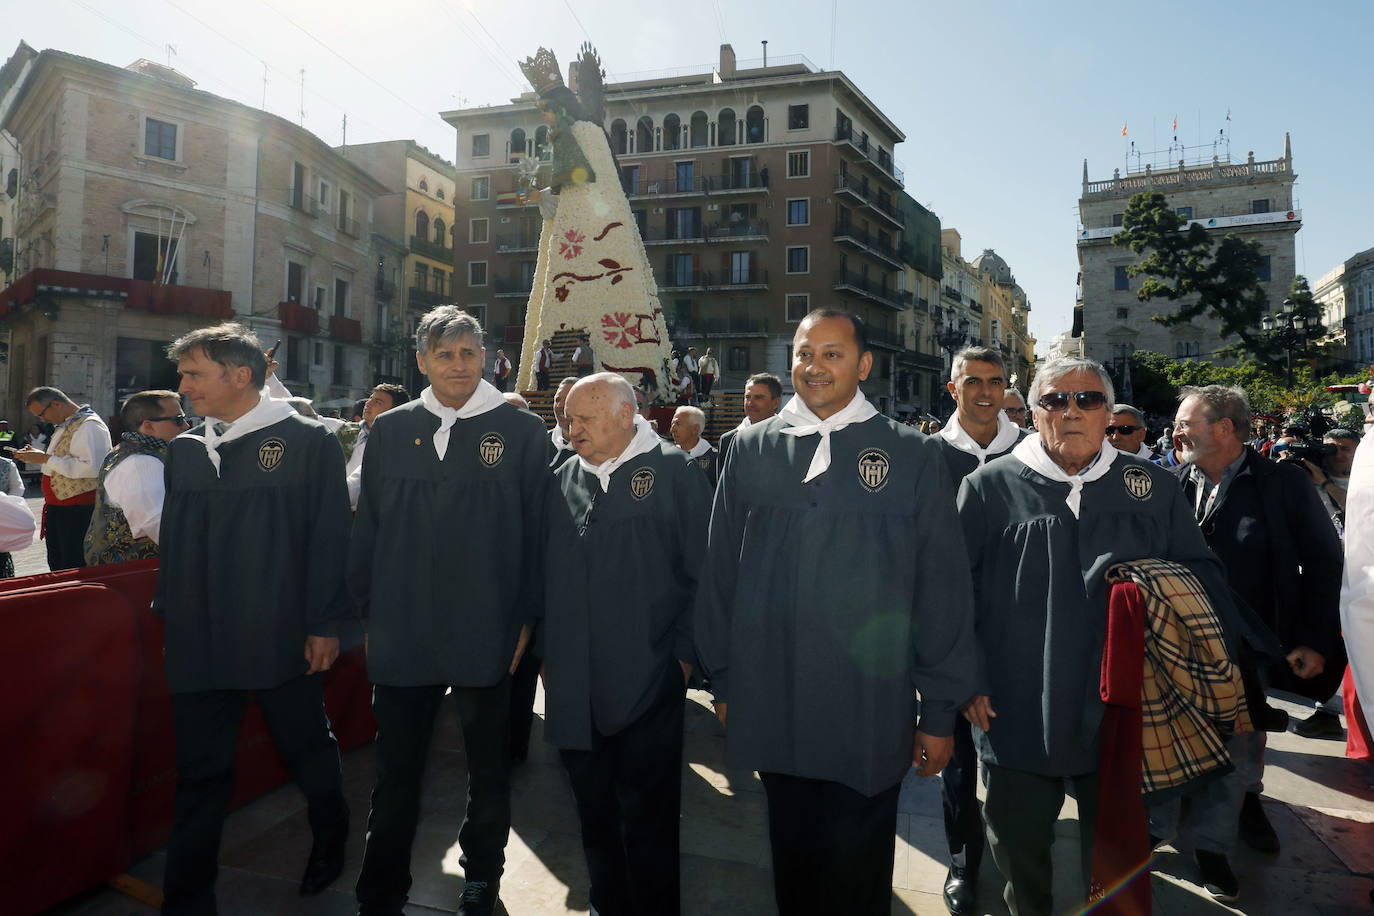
x: 1123, y: 130
x: 1175, y: 123
x: 1228, y: 114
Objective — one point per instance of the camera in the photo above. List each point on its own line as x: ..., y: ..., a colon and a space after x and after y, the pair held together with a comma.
x: 1309, y: 450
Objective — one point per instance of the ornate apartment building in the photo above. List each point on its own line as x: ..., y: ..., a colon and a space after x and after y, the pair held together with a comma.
x: 1252, y: 199
x: 145, y: 207
x: 1346, y: 294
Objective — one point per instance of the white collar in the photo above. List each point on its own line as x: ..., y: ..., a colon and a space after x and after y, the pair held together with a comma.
x: 265, y: 413
x: 1031, y: 452
x: 804, y: 423
x: 645, y: 440
x: 1145, y: 452
x: 744, y: 424
x: 1007, y: 434
x: 559, y: 442
x: 483, y: 399
x: 701, y: 448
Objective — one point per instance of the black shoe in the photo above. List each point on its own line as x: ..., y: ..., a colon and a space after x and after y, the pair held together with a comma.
x: 326, y: 859
x: 1321, y: 724
x: 479, y: 898
x: 1255, y: 828
x: 1216, y: 877
x: 961, y: 890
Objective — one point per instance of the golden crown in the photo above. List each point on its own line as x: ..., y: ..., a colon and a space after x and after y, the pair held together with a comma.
x: 542, y: 70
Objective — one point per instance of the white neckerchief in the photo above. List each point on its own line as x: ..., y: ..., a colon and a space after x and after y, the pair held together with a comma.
x: 559, y: 441
x: 804, y: 423
x: 484, y: 398
x: 1145, y: 452
x: 645, y: 440
x: 701, y: 448
x: 1007, y: 433
x: 744, y: 424
x: 266, y: 412
x: 1031, y: 452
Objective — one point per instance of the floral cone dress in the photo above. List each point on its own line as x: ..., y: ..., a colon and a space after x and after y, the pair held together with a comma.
x: 592, y: 274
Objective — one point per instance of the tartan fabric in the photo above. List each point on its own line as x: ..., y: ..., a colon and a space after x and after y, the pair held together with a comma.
x: 1192, y: 698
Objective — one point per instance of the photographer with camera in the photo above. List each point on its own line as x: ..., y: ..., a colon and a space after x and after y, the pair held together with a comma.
x: 1329, y: 462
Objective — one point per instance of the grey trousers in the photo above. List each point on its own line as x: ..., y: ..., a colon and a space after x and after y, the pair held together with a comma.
x: 1213, y: 814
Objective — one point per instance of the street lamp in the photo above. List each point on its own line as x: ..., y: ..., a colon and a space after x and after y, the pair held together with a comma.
x: 950, y: 336
x: 1292, y: 331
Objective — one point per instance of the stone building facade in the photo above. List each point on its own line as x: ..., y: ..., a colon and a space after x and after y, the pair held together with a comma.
x: 1346, y: 295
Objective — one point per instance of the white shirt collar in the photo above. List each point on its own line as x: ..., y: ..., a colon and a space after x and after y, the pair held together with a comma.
x: 1031, y: 452
x: 483, y: 399
x: 804, y: 423
x: 645, y: 440
x: 701, y: 448
x: 1007, y: 434
x: 1145, y: 452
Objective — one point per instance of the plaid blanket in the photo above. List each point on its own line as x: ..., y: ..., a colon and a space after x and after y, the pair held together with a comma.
x: 1192, y: 698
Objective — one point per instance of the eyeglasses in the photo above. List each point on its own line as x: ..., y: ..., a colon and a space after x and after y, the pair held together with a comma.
x: 1056, y: 401
x: 1124, y: 430
x: 179, y: 420
x: 1015, y: 411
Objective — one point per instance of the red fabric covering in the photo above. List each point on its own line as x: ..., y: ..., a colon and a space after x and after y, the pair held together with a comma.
x: 1358, y: 743
x: 80, y: 499
x: 1121, y: 844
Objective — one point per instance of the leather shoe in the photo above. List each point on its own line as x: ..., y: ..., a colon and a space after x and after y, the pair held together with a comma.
x: 961, y: 890
x: 326, y: 859
x: 1216, y: 877
x: 1321, y: 724
x: 1255, y: 828
x: 479, y: 898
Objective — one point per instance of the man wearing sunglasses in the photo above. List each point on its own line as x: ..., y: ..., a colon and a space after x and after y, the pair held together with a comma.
x: 128, y: 502
x: 1014, y: 406
x: 1127, y: 432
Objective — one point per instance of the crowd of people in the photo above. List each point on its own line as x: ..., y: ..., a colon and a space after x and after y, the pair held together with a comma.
x: 858, y: 598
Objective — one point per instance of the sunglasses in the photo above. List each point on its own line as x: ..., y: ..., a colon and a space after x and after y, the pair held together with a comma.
x: 179, y: 420
x: 1124, y: 430
x: 1059, y: 400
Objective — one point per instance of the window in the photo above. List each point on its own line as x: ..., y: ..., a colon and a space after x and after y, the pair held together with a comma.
x: 798, y: 304
x: 477, y: 273
x: 682, y: 270
x: 798, y: 117
x: 799, y: 259
x: 799, y: 211
x: 345, y: 206
x: 318, y: 302
x: 440, y: 231
x: 325, y: 196
x: 741, y: 268
x: 340, y: 366
x: 527, y: 274
x: 629, y: 179
x: 440, y: 282
x: 1259, y: 206
x: 799, y: 164
x: 319, y: 353
x: 684, y: 222
x: 481, y: 188
x: 1123, y: 314
x: 421, y: 275
x: 341, y: 298
x: 1185, y: 212
x: 738, y: 359
x: 160, y: 139
x: 1266, y: 269
x: 295, y: 281
x: 1117, y: 218
x: 153, y: 255
x: 479, y: 312
x: 422, y: 226
x: 1185, y: 349
x: 424, y: 185
x: 685, y: 172
x: 1121, y: 280
x: 477, y: 231
x: 481, y: 146
x: 439, y: 193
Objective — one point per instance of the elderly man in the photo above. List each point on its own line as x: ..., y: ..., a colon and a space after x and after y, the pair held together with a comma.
x: 562, y: 449
x: 449, y: 616
x: 253, y: 543
x: 384, y: 397
x: 71, y: 466
x: 1043, y: 525
x: 128, y: 503
x: 978, y: 432
x: 762, y: 398
x: 832, y: 593
x: 1127, y: 432
x: 1283, y: 559
x: 627, y: 533
x: 1014, y: 405
x: 687, y: 427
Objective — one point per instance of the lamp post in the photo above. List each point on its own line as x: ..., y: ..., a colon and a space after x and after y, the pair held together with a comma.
x: 1292, y: 331
x: 950, y: 336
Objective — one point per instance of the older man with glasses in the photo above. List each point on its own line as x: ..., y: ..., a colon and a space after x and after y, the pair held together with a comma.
x: 1014, y: 406
x: 1127, y: 431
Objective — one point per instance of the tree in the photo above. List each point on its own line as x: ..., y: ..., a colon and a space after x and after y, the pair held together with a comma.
x: 1218, y: 280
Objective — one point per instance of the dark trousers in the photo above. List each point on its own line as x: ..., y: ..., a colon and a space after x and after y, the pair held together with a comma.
x: 1021, y: 809
x: 584, y: 369
x: 523, y: 686
x: 541, y: 379
x: 628, y: 789
x: 500, y: 382
x: 405, y: 722
x: 207, y: 731
x: 832, y: 846
x: 959, y: 788
x: 65, y: 529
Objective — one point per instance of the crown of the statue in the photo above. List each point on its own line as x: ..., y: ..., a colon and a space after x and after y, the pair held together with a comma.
x: 542, y: 70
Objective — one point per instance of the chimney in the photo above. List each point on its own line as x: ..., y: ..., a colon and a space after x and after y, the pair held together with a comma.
x: 727, y: 62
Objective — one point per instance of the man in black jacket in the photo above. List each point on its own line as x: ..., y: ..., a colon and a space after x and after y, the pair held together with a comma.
x: 1283, y: 559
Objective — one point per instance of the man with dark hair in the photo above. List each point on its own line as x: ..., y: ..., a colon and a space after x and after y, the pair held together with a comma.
x: 832, y: 592
x: 558, y: 436
x: 583, y: 360
x: 253, y: 543
x: 384, y: 397
x: 762, y: 398
x: 500, y: 370
x: 71, y: 466
x: 447, y: 616
x: 1127, y: 431
x: 128, y: 505
x: 543, y: 365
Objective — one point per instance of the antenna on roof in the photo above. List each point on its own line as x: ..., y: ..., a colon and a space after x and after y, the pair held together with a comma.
x: 765, y: 52
x: 171, y: 51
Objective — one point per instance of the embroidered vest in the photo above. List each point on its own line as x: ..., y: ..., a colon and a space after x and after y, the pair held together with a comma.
x: 348, y: 438
x: 108, y: 539
x: 65, y: 488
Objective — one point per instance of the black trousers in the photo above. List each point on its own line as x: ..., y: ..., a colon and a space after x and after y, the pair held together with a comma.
x: 523, y: 686
x: 832, y: 846
x: 541, y: 380
x: 405, y: 722
x: 65, y: 529
x: 1021, y: 810
x: 959, y: 788
x: 628, y: 789
x: 207, y: 731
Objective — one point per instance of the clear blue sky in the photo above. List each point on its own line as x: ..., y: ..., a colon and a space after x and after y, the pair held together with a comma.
x: 1001, y: 102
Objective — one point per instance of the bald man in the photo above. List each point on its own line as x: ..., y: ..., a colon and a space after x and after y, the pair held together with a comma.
x: 687, y: 427
x: 626, y: 538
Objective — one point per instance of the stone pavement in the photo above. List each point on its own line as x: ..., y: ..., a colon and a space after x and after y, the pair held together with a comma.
x: 1321, y: 804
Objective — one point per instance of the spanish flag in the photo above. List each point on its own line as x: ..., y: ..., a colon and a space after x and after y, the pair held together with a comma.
x: 1175, y: 123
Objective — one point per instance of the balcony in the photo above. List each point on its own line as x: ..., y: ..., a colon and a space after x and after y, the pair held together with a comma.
x: 862, y: 240
x: 952, y: 293
x: 750, y: 230
x: 297, y: 317
x: 665, y: 187
x: 860, y: 194
x: 869, y: 153
x: 436, y: 250
x: 850, y: 282
x: 719, y: 326
x: 751, y: 181
x: 738, y: 278
x: 157, y: 298
x: 680, y: 279
x: 889, y: 340
x: 349, y: 330
x: 297, y: 199
x: 508, y: 287
x: 667, y: 235
x: 350, y: 227
x: 516, y: 241
x: 418, y: 298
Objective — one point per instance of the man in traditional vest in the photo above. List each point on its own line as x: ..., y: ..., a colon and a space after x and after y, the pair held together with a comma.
x: 128, y: 504
x: 70, y: 468
x: 543, y: 365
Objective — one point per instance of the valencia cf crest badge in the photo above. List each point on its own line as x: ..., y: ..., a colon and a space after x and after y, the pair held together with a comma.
x: 641, y: 483
x: 270, y: 454
x: 874, y: 467
x: 491, y: 449
x: 1138, y: 482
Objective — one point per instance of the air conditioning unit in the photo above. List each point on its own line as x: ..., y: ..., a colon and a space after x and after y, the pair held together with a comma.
x: 713, y: 206
x: 657, y: 210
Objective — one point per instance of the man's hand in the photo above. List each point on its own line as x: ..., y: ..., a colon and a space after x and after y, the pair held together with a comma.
x: 520, y: 645
x: 721, y: 710
x: 1305, y: 662
x: 686, y: 672
x: 320, y: 652
x: 930, y: 754
x: 979, y: 712
x: 272, y: 365
x: 31, y: 455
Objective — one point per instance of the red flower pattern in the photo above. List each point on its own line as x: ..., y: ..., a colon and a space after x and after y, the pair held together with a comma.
x: 621, y: 329
x: 571, y: 246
